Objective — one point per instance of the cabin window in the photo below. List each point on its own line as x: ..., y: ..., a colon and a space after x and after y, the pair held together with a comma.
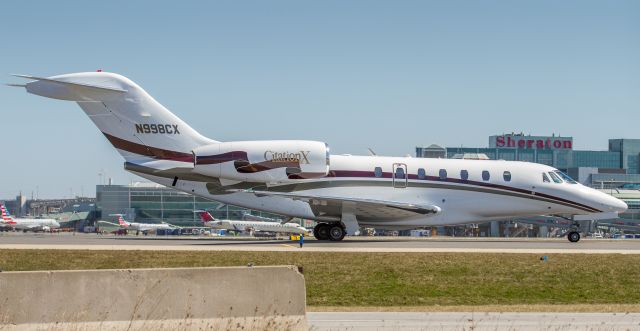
x: 485, y: 175
x: 378, y: 172
x: 399, y: 173
x: 555, y: 177
x: 565, y: 177
x: 507, y: 176
x: 545, y: 178
x: 464, y: 175
x: 442, y: 174
x: 422, y: 174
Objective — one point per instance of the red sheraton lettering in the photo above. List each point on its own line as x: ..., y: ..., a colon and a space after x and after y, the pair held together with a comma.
x: 508, y: 141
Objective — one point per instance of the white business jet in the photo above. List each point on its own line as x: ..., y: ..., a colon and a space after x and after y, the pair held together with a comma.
x: 298, y: 178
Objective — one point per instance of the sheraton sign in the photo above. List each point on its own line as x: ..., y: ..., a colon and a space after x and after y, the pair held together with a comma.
x: 530, y: 142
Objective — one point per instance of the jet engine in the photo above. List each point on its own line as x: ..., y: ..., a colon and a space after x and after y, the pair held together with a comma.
x: 263, y: 161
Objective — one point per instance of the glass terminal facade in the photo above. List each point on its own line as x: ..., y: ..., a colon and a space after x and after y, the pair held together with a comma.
x: 153, y: 203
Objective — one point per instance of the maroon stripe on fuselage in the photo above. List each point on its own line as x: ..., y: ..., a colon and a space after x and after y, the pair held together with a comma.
x: 265, y: 166
x: 153, y: 152
x: 222, y: 158
x: 371, y: 174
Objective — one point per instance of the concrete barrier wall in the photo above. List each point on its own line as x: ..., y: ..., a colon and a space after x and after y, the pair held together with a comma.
x: 145, y: 299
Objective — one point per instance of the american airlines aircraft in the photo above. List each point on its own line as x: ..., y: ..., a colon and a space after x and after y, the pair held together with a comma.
x: 140, y: 227
x: 299, y: 178
x: 262, y: 226
x: 28, y: 224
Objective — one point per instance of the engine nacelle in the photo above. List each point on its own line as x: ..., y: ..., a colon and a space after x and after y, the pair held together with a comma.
x: 268, y: 161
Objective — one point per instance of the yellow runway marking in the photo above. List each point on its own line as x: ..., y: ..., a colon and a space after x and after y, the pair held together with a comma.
x: 286, y: 245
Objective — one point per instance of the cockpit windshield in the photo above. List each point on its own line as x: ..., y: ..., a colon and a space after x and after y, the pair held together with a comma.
x: 565, y: 177
x: 555, y: 177
x: 545, y: 178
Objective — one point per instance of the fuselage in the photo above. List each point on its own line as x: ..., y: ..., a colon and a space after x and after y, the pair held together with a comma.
x: 468, y: 191
x: 144, y: 227
x: 33, y: 224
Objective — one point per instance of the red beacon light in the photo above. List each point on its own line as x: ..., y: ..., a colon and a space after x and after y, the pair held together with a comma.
x: 99, y: 70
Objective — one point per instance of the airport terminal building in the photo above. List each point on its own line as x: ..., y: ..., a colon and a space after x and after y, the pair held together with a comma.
x: 154, y: 203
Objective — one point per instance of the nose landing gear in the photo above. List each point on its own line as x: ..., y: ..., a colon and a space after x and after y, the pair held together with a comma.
x: 573, y: 235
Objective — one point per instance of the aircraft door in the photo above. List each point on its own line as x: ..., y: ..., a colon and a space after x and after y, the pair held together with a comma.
x: 400, y: 175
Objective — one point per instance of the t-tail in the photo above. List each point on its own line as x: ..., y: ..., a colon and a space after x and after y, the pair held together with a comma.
x: 139, y: 127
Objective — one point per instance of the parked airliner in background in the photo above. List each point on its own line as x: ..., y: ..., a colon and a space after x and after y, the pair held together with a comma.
x: 145, y: 228
x: 249, y: 226
x: 298, y: 178
x: 28, y: 224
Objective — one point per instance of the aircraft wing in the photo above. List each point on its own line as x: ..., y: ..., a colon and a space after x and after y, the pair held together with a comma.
x: 363, y: 208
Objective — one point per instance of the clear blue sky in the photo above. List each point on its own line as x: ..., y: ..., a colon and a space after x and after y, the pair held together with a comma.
x: 388, y: 75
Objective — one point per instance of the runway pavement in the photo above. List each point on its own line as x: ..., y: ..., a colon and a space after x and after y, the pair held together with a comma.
x: 473, y: 321
x: 15, y: 240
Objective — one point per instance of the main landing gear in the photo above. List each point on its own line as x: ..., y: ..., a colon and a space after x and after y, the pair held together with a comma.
x: 329, y: 231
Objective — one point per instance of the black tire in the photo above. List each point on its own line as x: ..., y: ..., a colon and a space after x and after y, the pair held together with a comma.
x: 573, y: 236
x: 321, y: 231
x: 336, y: 233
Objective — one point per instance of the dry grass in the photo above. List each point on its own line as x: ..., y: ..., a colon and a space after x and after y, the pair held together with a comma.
x: 424, y: 281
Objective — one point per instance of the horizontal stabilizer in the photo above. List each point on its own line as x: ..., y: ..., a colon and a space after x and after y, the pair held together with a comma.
x: 113, y: 89
x: 65, y: 88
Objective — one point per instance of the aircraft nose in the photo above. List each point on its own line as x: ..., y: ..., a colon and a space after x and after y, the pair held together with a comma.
x: 620, y: 206
x: 614, y: 204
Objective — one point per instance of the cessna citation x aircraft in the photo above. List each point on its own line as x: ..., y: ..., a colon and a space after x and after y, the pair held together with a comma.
x: 298, y: 178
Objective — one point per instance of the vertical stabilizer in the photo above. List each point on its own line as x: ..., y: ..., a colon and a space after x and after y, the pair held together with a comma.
x: 139, y: 127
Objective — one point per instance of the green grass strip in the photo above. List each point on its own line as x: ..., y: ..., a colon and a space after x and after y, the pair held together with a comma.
x: 394, y: 279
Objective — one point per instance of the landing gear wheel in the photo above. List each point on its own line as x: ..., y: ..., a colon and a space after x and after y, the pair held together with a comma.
x: 573, y: 236
x: 321, y: 231
x: 336, y: 233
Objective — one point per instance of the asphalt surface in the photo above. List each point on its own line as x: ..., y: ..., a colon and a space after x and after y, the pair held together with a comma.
x: 357, y: 244
x: 473, y: 321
